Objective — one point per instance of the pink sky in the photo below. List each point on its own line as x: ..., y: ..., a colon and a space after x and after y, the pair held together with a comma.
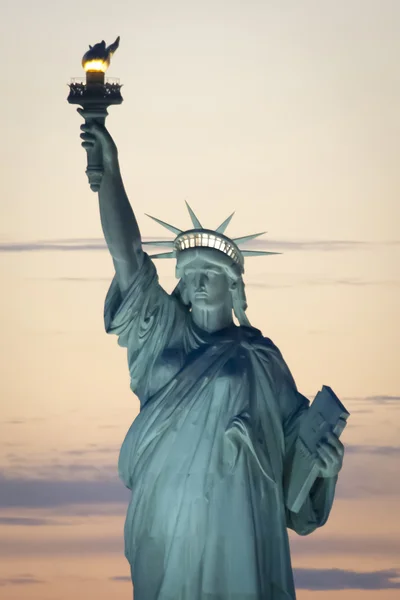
x: 286, y: 113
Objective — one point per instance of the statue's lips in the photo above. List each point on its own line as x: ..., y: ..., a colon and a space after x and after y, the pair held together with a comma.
x: 201, y: 294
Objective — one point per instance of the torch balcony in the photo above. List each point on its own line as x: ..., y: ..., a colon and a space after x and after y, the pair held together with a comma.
x: 85, y: 93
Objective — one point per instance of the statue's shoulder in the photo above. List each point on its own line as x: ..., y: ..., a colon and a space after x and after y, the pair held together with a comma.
x: 261, y: 344
x: 255, y: 335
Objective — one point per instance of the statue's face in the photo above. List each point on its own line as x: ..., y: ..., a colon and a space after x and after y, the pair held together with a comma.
x: 207, y: 285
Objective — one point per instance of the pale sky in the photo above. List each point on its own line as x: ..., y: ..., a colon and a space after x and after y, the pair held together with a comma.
x: 286, y: 112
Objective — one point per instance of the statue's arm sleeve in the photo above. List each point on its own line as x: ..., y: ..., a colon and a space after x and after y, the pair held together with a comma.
x: 144, y: 313
x: 293, y: 406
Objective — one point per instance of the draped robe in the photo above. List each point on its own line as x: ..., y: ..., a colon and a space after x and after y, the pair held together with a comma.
x: 208, y: 456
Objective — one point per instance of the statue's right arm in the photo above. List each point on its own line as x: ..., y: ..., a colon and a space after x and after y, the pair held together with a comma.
x: 118, y: 221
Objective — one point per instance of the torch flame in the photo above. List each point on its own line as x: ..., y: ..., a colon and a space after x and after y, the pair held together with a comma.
x: 97, y: 58
x: 95, y: 65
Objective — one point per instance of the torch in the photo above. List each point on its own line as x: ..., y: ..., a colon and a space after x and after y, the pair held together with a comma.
x: 95, y: 95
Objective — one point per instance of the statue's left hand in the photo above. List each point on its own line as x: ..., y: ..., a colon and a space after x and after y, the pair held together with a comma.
x: 330, y: 456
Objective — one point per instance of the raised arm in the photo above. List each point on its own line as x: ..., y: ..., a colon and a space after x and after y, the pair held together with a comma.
x: 118, y: 221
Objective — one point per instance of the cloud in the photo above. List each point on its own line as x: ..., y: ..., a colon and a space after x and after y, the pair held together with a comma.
x: 378, y: 450
x: 75, y: 279
x: 52, y: 246
x: 315, y: 245
x: 382, y: 399
x: 340, y: 579
x: 22, y: 467
x: 19, y: 492
x: 95, y: 462
x: 252, y: 284
x: 95, y: 449
x: 369, y: 472
x: 93, y: 482
x: 318, y: 544
x: 23, y: 421
x: 108, y: 509
x: 49, y: 546
x: 45, y: 543
x: 98, y: 244
x: 350, y: 281
x: 29, y: 522
x: 20, y: 580
x: 121, y: 578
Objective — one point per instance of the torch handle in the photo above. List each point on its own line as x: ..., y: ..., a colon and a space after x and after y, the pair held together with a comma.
x: 95, y: 169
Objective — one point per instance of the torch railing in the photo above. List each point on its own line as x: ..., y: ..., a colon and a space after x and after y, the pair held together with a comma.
x: 111, y: 90
x: 113, y: 80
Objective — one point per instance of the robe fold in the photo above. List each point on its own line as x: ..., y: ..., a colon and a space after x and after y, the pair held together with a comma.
x: 208, y: 455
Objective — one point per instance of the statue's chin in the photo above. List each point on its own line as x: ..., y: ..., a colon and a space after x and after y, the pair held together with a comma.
x: 202, y: 302
x: 207, y: 303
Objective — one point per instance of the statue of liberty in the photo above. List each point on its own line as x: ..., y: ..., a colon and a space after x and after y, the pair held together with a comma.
x: 207, y: 456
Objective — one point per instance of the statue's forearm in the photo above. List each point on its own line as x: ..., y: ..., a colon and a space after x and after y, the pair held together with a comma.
x: 322, y: 493
x: 118, y: 221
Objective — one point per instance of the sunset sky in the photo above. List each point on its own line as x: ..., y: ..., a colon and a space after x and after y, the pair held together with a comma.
x: 286, y: 112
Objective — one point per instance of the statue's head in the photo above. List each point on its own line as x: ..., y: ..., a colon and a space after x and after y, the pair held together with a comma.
x: 209, y: 266
x: 209, y: 279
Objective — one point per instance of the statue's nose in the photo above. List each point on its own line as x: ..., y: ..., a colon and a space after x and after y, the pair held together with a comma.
x: 201, y: 280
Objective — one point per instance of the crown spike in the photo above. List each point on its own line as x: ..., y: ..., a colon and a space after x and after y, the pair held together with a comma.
x: 163, y: 255
x: 167, y: 243
x: 225, y: 224
x: 166, y: 225
x: 195, y: 220
x: 245, y: 238
x: 257, y: 253
x: 205, y: 238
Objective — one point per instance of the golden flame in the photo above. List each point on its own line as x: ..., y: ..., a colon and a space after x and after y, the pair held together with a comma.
x: 97, y: 58
x: 96, y: 65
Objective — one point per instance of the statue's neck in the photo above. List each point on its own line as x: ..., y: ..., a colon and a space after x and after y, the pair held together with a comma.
x: 212, y: 320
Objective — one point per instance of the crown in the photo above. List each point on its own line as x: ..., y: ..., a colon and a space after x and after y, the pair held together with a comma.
x: 200, y: 237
